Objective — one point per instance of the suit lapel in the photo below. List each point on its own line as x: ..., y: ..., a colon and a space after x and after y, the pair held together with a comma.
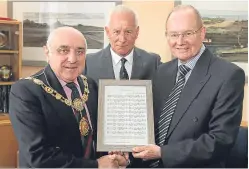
x: 63, y: 111
x: 195, y: 83
x: 137, y: 65
x: 106, y: 64
x: 166, y: 87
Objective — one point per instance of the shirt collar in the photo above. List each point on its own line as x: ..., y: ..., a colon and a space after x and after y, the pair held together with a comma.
x: 116, y: 58
x: 63, y: 83
x: 191, y: 62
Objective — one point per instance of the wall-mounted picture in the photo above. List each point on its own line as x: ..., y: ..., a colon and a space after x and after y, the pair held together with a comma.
x: 37, y: 25
x: 227, y: 28
x: 40, y: 17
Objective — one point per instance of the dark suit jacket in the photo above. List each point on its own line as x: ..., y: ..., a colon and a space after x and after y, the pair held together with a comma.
x: 46, y: 129
x: 99, y: 65
x: 208, y: 114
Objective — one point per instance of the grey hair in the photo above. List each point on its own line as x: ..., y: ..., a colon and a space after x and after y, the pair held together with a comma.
x: 182, y: 7
x: 51, y: 37
x: 120, y: 9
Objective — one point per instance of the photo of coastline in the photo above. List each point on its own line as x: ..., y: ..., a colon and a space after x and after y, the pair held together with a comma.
x: 38, y: 25
x: 227, y: 28
x: 227, y: 34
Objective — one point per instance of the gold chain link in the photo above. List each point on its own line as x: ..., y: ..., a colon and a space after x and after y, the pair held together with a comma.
x: 58, y: 96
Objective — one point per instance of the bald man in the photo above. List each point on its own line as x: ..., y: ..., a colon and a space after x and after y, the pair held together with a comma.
x: 53, y: 112
x: 198, y: 100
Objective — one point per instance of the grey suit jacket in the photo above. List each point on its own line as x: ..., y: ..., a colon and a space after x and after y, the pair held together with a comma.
x: 99, y: 65
x: 208, y: 114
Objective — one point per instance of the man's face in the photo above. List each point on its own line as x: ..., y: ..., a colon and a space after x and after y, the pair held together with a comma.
x: 66, y: 55
x: 122, y: 32
x: 184, y: 35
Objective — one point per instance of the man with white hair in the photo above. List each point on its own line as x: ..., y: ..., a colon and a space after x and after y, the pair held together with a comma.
x: 121, y: 59
x: 54, y: 112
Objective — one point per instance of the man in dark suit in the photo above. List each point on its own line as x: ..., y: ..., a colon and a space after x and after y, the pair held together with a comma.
x: 121, y: 59
x: 53, y: 112
x: 197, y: 100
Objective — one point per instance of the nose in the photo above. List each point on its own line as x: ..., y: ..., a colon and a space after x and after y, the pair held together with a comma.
x: 180, y: 40
x: 72, y: 58
x: 122, y: 37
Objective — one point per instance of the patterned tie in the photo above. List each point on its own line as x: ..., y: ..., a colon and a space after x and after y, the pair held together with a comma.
x: 86, y: 140
x: 169, y: 109
x: 123, y: 72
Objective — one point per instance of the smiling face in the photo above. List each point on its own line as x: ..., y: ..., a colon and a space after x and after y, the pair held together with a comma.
x: 66, y: 53
x: 184, y: 21
x: 122, y: 32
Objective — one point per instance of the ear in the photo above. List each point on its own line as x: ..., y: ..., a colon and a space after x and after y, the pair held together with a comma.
x: 46, y: 51
x: 137, y: 31
x: 107, y: 31
x: 203, y: 33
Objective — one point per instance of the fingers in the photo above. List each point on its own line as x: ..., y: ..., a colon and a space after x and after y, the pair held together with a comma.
x: 122, y: 158
x: 114, y: 161
x: 113, y: 156
x: 147, y: 152
x: 108, y: 161
x: 115, y: 164
x: 138, y: 149
x: 141, y: 154
x: 115, y: 152
x: 126, y: 155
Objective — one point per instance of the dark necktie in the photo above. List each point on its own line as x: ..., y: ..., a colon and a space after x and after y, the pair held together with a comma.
x: 169, y: 109
x: 123, y: 72
x: 86, y: 140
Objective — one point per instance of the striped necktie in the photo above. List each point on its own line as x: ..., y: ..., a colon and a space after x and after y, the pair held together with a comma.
x: 169, y: 109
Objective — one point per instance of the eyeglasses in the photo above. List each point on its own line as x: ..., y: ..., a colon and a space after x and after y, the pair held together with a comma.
x: 185, y: 35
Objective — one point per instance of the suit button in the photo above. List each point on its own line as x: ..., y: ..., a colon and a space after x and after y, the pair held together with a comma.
x: 195, y: 119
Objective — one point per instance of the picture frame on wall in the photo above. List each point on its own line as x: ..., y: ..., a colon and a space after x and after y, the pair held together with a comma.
x: 226, y: 25
x: 41, y: 17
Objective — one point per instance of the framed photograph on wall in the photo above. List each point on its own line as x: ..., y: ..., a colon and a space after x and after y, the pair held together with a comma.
x: 41, y: 17
x: 227, y: 28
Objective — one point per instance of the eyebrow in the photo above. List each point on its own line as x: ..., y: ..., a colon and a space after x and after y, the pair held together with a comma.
x: 63, y: 46
x: 68, y: 47
x: 81, y: 48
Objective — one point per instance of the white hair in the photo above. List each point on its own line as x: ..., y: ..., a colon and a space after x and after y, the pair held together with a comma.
x: 119, y: 9
x: 52, y: 34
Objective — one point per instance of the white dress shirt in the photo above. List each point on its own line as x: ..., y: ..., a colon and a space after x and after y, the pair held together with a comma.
x: 190, y: 64
x: 116, y: 62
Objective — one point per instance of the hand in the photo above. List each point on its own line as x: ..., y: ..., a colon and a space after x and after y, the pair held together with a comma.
x: 121, y: 157
x: 148, y: 152
x: 108, y: 161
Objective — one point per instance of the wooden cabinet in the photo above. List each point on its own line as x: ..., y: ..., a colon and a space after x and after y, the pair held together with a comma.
x: 10, y: 58
x: 10, y: 61
x: 8, y: 143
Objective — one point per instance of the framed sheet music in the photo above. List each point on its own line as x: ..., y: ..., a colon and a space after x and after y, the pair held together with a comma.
x: 125, y: 115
